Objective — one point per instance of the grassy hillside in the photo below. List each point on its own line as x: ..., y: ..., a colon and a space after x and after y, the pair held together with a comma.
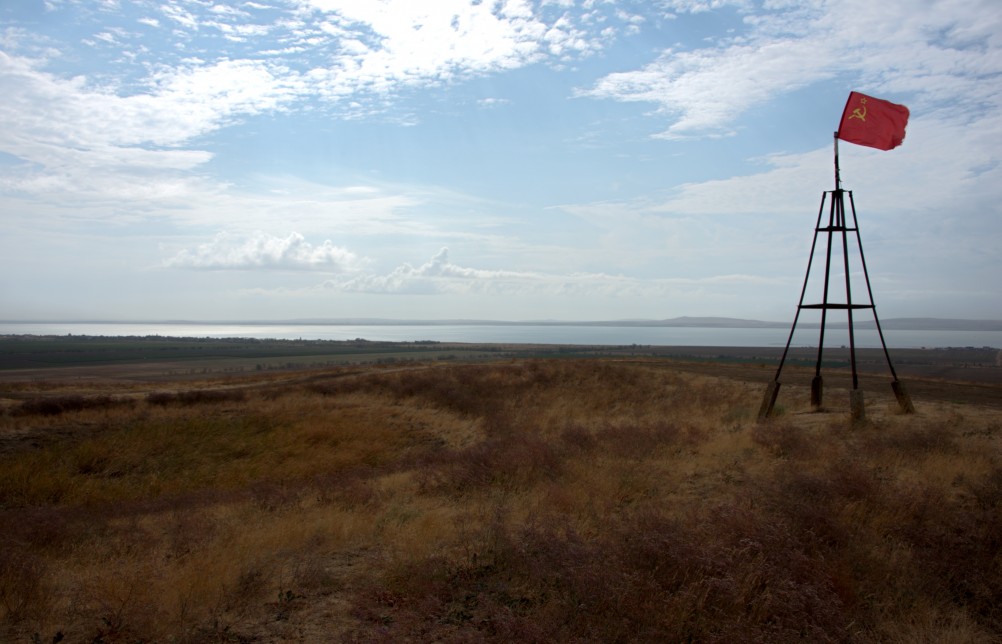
x: 530, y: 500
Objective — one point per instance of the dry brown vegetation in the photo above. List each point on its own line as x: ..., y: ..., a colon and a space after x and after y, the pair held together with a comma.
x: 585, y: 500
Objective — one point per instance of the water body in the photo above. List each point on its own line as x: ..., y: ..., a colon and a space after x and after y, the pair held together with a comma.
x: 520, y: 334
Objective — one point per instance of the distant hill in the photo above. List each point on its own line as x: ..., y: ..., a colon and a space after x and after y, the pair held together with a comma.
x: 935, y: 324
x: 863, y: 321
x: 704, y: 322
x: 684, y: 321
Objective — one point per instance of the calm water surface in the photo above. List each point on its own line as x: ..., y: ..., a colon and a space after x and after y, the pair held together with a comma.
x: 528, y: 334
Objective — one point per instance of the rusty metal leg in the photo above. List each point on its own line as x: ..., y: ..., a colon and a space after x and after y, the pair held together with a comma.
x: 769, y: 400
x: 904, y: 400
x: 817, y: 392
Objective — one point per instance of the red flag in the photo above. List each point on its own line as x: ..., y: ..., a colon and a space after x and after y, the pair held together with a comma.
x: 873, y: 122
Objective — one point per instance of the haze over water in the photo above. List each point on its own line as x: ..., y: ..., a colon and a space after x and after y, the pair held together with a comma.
x: 523, y: 334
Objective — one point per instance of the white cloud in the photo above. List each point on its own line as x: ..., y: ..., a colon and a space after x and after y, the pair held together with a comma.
x: 76, y: 137
x: 179, y: 15
x: 91, y: 133
x: 701, y: 6
x: 437, y: 275
x: 181, y: 104
x: 262, y: 251
x: 440, y: 276
x: 105, y: 36
x: 891, y: 46
x: 382, y: 46
x: 492, y: 102
x: 707, y: 91
x: 227, y: 10
x: 396, y: 42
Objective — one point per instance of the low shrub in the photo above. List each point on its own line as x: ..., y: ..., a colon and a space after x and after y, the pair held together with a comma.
x: 195, y: 397
x: 506, y: 463
x: 916, y: 439
x: 24, y: 590
x: 55, y: 405
x: 641, y: 440
x: 957, y: 545
x: 744, y: 577
x: 783, y: 439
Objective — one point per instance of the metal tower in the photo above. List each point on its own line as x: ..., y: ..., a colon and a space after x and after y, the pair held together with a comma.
x: 837, y: 230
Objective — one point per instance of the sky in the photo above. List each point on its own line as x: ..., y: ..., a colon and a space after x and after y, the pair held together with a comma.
x: 485, y: 159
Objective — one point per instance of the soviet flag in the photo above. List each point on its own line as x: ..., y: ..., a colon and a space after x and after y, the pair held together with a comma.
x: 873, y: 122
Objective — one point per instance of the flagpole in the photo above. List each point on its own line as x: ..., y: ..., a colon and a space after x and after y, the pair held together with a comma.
x: 838, y: 179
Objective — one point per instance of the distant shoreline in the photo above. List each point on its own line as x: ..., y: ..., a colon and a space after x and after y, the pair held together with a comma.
x: 891, y: 324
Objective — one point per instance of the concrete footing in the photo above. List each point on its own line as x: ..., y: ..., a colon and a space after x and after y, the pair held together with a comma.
x: 817, y: 392
x: 904, y: 400
x: 857, y: 405
x: 768, y: 400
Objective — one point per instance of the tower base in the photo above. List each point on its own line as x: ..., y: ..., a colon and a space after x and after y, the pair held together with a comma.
x: 857, y: 405
x: 817, y: 392
x: 768, y: 401
x: 904, y: 400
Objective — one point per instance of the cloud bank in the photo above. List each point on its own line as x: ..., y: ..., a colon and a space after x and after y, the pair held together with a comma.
x: 440, y: 276
x: 943, y: 51
x: 262, y: 251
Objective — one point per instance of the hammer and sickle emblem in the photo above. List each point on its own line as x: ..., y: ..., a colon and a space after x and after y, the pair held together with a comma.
x: 859, y: 112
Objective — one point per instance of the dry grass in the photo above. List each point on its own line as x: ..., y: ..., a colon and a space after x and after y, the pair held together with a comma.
x: 529, y: 501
